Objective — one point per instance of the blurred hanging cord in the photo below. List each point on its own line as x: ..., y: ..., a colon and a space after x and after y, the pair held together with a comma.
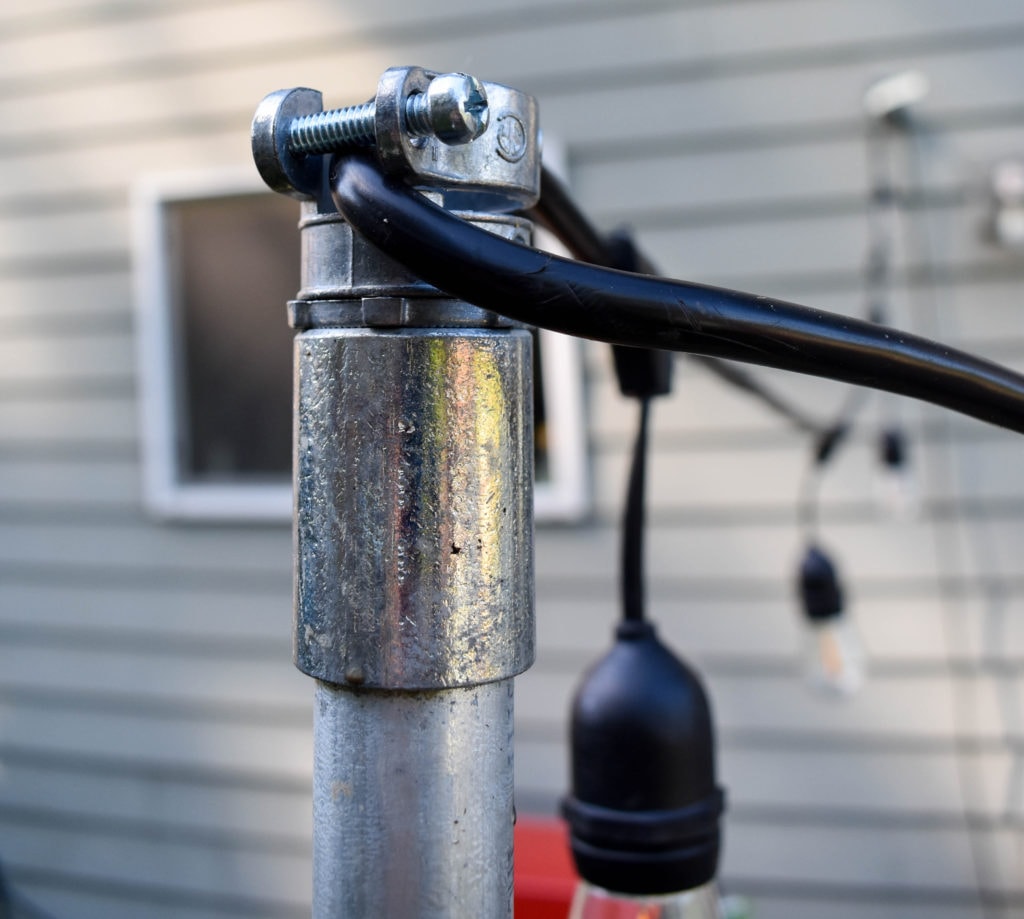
x: 542, y: 289
x: 883, y: 211
x: 982, y: 545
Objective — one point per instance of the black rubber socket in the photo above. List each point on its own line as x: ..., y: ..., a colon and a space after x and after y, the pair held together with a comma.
x: 821, y: 594
x: 644, y: 810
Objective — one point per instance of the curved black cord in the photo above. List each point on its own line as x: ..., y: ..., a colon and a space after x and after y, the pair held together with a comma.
x: 558, y: 212
x: 599, y: 303
x: 633, y: 600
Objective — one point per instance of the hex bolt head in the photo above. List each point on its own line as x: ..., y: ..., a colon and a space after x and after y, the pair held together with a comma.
x: 453, y: 109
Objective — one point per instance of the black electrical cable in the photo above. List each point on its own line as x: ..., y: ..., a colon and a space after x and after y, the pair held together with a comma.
x: 599, y: 303
x: 633, y: 599
x: 557, y: 212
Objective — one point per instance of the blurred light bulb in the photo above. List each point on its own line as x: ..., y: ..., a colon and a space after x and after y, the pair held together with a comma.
x: 895, y: 484
x: 592, y: 902
x: 833, y: 654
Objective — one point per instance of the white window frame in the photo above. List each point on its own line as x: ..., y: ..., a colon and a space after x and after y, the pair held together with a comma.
x: 563, y: 497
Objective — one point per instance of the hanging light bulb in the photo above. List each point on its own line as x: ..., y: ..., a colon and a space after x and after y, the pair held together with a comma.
x: 644, y: 809
x: 896, y: 487
x: 592, y: 902
x: 833, y: 654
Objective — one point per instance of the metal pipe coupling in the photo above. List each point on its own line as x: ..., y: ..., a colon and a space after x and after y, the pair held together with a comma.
x: 414, y: 565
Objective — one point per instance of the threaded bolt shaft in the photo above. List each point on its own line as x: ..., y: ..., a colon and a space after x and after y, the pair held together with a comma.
x: 336, y: 129
x: 453, y: 109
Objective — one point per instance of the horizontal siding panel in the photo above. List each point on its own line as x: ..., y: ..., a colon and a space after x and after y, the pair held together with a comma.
x: 266, y: 550
x: 862, y: 785
x: 56, y: 421
x: 61, y: 359
x: 52, y: 481
x: 128, y: 616
x: 716, y: 102
x: 172, y: 146
x: 644, y: 179
x: 209, y: 871
x: 930, y: 861
x: 247, y: 32
x: 722, y: 177
x: 51, y: 236
x: 889, y: 707
x: 182, y: 742
x: 831, y: 243
x: 55, y: 304
x: 707, y: 254
x: 133, y: 41
x: 364, y: 78
x: 155, y: 684
x: 661, y: 41
x: 250, y: 819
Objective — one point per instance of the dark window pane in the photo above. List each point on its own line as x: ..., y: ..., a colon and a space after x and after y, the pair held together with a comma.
x: 236, y: 263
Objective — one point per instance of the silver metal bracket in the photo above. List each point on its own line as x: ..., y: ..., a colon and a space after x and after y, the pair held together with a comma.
x: 498, y: 171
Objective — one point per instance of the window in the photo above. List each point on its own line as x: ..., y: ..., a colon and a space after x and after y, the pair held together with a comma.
x: 217, y: 259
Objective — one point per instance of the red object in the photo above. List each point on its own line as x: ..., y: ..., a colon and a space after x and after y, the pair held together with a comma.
x: 545, y: 878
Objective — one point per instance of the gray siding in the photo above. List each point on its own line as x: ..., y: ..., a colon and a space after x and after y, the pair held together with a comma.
x: 154, y: 739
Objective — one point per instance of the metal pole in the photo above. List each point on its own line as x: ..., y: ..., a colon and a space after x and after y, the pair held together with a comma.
x: 413, y: 532
x: 413, y: 608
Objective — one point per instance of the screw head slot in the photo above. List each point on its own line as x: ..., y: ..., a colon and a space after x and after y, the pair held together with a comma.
x: 457, y: 106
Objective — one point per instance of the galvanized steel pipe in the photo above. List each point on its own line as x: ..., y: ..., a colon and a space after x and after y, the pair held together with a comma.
x: 413, y: 602
x: 413, y: 520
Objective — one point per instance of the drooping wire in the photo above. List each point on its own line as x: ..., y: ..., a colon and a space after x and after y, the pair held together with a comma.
x: 882, y: 215
x: 948, y: 548
x: 633, y: 593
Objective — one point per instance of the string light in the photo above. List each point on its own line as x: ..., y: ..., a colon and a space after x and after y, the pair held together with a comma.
x: 833, y: 653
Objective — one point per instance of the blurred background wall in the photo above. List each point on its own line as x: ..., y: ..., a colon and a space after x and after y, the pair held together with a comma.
x: 155, y: 741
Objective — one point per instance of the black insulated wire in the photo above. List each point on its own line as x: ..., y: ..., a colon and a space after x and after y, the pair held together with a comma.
x: 558, y: 212
x: 541, y: 289
x: 633, y: 599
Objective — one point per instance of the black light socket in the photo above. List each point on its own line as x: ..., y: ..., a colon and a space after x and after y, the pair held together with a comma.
x: 821, y: 594
x: 643, y: 373
x: 645, y: 806
x: 892, y: 448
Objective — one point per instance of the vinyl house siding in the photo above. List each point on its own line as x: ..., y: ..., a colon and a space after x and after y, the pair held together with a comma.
x: 155, y: 741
